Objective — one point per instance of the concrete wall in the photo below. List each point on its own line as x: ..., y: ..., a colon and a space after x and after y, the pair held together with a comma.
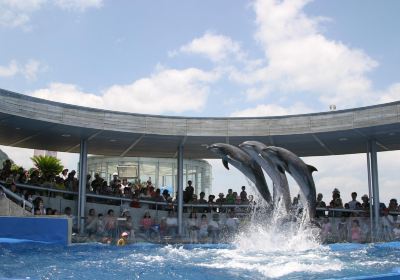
x: 9, y: 208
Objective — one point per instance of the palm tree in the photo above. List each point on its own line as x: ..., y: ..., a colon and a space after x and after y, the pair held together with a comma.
x: 48, y: 166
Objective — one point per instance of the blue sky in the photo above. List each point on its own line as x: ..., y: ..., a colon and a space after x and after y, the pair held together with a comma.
x: 207, y: 58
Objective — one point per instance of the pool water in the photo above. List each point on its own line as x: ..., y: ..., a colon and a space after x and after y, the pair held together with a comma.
x: 198, y: 261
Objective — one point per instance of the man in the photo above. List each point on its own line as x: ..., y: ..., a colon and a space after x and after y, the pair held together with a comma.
x: 188, y: 193
x: 365, y: 200
x: 354, y: 201
x: 230, y: 199
x: 243, y: 194
x: 97, y: 183
x: 320, y: 204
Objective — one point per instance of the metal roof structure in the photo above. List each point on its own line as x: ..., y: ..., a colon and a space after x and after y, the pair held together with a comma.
x: 35, y: 123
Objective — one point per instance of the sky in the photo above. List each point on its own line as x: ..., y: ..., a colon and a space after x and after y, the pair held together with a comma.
x: 211, y: 58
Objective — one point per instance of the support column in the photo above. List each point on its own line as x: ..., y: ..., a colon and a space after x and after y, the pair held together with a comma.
x: 373, y: 173
x: 180, y: 190
x: 82, y: 185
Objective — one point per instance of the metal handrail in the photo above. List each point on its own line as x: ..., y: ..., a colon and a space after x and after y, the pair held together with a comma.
x: 25, y: 203
x: 204, y: 205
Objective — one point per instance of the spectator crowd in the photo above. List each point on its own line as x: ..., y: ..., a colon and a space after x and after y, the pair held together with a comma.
x: 210, y: 219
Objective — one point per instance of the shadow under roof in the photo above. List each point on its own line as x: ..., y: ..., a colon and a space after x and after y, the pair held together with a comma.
x: 35, y: 123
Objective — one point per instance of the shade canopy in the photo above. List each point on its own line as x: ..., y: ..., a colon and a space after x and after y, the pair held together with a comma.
x: 35, y: 123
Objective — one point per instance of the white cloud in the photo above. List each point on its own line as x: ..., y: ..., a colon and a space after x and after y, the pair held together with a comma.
x: 18, y: 13
x: 168, y: 90
x: 78, y: 5
x: 301, y: 59
x: 10, y: 70
x: 214, y: 47
x: 70, y: 94
x: 391, y: 94
x: 15, y: 13
x: 272, y: 110
x: 29, y: 70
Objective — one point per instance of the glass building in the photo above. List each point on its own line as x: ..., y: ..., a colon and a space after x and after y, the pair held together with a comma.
x: 162, y: 171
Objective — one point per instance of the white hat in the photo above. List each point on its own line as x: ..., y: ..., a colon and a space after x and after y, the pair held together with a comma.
x: 124, y: 233
x: 115, y: 174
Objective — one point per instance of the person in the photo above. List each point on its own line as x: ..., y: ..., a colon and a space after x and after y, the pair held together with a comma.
x: 396, y: 231
x: 320, y: 204
x: 336, y: 202
x: 353, y: 202
x: 115, y: 182
x: 172, y: 224
x: 110, y: 224
x: 123, y: 240
x: 64, y: 174
x: 365, y: 205
x: 355, y: 232
x: 326, y: 230
x: 124, y: 187
x: 97, y: 183
x: 243, y: 194
x: 91, y: 223
x: 100, y: 227
x: 342, y: 229
x: 192, y: 227
x: 146, y: 223
x: 68, y: 213
x: 231, y: 224
x: 188, y: 193
x: 393, y: 207
x: 230, y: 197
x: 203, y: 228
x: 202, y: 200
x: 214, y: 228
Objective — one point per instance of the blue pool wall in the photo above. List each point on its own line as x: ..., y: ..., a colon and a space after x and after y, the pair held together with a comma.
x: 53, y: 230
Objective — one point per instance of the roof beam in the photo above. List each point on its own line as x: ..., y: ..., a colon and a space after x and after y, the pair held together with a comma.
x: 132, y: 145
x: 322, y: 144
x: 367, y: 138
x: 31, y: 136
x: 69, y: 150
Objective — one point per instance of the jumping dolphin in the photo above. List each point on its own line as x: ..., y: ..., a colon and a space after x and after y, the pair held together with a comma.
x: 280, y: 183
x: 301, y: 173
x: 244, y: 163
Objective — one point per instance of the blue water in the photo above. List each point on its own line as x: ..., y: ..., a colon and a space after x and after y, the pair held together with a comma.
x: 199, y: 261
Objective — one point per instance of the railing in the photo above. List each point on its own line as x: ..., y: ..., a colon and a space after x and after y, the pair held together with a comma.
x: 124, y: 199
x: 157, y: 203
x: 26, y: 205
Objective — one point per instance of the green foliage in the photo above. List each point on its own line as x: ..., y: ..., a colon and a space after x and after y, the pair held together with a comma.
x: 48, y: 166
x: 15, y: 167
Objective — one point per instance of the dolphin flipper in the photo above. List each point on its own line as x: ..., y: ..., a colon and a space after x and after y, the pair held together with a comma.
x: 225, y: 163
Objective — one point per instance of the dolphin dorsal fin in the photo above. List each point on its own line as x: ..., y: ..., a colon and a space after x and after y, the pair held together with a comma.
x: 225, y: 163
x: 311, y: 168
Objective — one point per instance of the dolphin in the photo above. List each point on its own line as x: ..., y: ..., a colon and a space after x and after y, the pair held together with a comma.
x: 275, y: 172
x: 299, y: 170
x: 244, y: 163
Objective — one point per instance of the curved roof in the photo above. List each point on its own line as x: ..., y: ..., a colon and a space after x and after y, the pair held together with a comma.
x: 30, y: 122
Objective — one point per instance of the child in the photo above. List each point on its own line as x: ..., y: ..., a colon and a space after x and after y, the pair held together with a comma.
x: 123, y: 240
x: 100, y: 225
x: 326, y: 230
x: 355, y: 232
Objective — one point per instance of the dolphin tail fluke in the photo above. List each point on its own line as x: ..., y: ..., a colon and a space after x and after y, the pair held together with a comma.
x: 311, y: 168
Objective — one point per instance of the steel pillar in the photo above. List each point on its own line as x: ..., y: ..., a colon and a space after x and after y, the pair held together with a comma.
x: 82, y: 185
x: 374, y: 183
x: 180, y: 190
